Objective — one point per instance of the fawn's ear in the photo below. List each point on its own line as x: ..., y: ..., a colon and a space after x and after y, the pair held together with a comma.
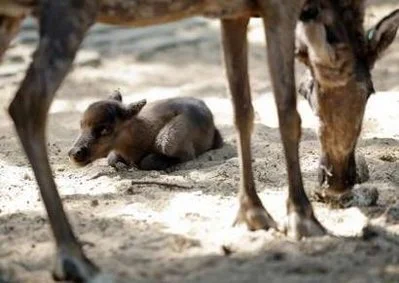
x: 381, y: 36
x: 135, y: 107
x: 116, y: 95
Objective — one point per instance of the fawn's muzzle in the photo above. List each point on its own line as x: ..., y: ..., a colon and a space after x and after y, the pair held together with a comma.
x: 79, y: 154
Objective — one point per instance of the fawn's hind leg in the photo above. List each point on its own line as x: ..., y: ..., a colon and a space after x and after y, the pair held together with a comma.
x: 173, y: 144
x: 280, y: 20
x: 62, y: 28
x: 175, y: 139
x: 234, y: 39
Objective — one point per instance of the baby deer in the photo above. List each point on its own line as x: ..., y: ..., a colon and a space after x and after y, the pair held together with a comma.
x: 151, y: 136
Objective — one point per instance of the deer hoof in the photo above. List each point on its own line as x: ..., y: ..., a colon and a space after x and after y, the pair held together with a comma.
x: 362, y: 169
x: 256, y: 218
x: 75, y: 268
x: 300, y: 226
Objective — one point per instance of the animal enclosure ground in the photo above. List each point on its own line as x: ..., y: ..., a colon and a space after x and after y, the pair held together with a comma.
x: 176, y: 226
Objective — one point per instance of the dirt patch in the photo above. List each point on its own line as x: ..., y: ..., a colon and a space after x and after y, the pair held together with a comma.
x: 176, y: 226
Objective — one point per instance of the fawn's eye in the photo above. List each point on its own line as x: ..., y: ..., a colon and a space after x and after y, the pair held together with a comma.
x: 105, y: 131
x: 102, y: 131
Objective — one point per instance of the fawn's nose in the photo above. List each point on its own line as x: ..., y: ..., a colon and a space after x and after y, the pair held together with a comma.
x: 79, y: 154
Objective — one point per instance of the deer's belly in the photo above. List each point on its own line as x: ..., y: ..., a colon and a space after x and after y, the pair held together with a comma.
x: 150, y: 12
x: 147, y: 12
x: 17, y: 8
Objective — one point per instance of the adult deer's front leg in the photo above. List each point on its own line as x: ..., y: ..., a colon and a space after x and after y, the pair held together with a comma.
x: 234, y: 36
x: 62, y: 28
x: 280, y: 25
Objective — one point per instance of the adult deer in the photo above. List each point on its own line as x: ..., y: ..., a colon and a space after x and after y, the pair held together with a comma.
x: 63, y: 25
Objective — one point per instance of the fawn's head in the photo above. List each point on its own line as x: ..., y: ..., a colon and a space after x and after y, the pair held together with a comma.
x: 340, y: 54
x: 100, y: 127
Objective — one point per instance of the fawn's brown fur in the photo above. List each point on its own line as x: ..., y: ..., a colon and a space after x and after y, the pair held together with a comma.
x: 151, y: 136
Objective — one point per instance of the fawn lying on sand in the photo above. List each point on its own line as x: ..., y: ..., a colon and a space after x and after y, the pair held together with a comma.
x: 151, y: 136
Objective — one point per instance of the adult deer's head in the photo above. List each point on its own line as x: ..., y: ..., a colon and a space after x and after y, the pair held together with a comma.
x: 340, y: 54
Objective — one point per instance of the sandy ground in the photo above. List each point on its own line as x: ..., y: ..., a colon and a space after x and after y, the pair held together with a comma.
x: 176, y: 232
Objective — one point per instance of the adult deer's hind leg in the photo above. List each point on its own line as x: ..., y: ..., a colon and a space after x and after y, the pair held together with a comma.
x: 280, y: 25
x: 234, y: 39
x: 62, y: 28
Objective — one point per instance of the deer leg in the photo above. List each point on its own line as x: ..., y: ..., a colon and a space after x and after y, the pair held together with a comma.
x: 114, y: 158
x: 62, y: 28
x: 175, y: 139
x: 9, y: 26
x: 280, y: 31
x: 234, y: 39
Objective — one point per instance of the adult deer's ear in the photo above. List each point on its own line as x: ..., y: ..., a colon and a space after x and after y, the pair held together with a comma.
x: 381, y: 36
x: 135, y: 107
x: 116, y: 95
